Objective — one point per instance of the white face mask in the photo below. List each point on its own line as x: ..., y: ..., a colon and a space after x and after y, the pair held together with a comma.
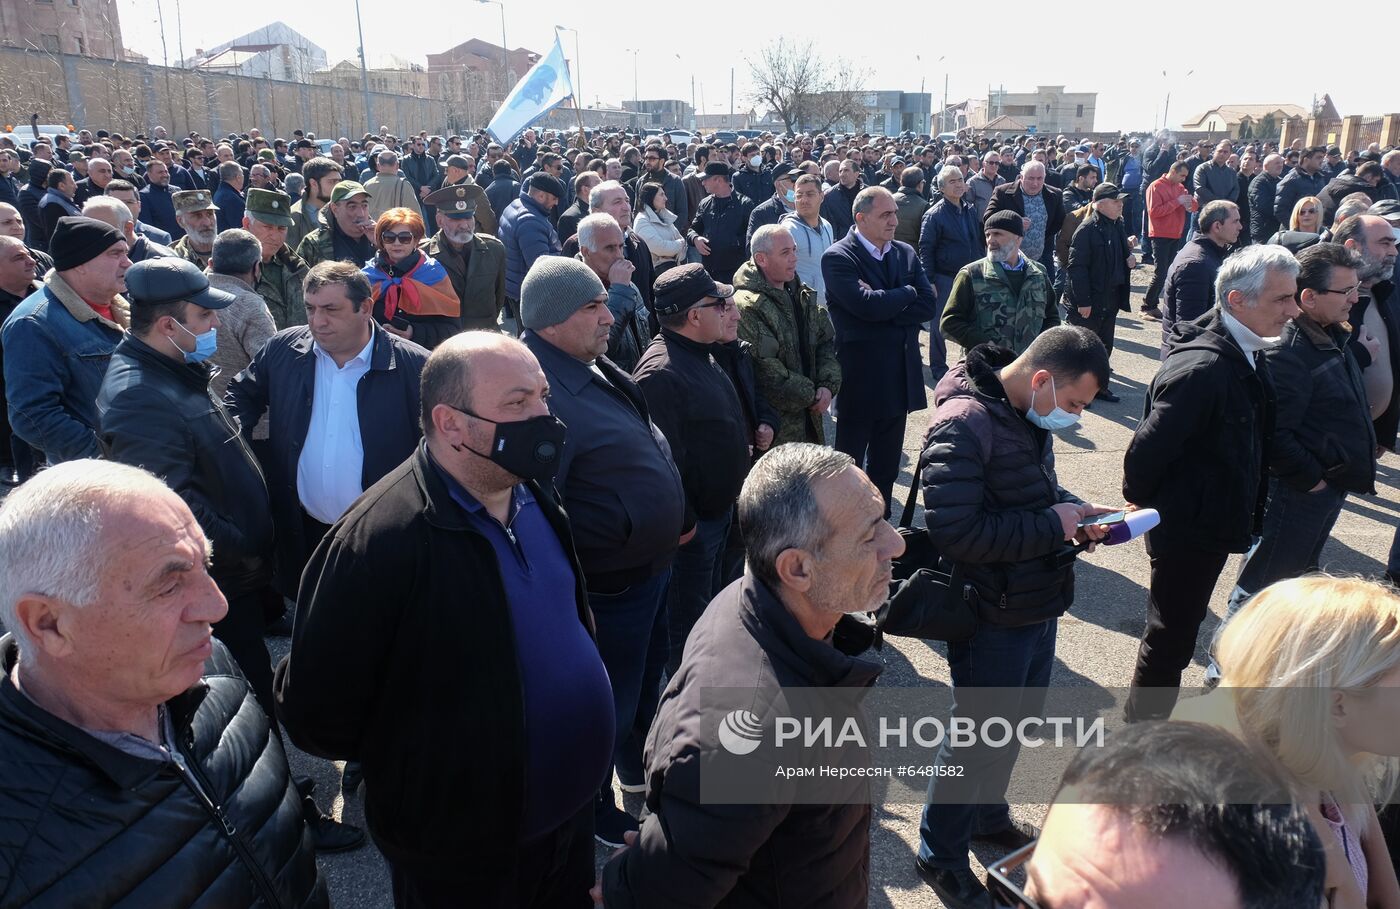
x: 755, y: 161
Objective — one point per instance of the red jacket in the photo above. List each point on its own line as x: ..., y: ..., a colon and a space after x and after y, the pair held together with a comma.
x: 1166, y: 220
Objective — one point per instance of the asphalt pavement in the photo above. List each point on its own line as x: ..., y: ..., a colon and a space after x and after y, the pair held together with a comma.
x: 1097, y: 639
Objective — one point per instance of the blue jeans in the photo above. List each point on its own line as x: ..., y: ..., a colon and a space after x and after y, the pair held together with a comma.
x: 996, y: 657
x: 632, y: 640
x: 1296, y: 527
x: 695, y: 578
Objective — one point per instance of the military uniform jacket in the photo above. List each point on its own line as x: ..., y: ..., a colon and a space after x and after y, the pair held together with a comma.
x: 478, y: 278
x: 183, y: 249
x: 281, y: 287
x: 982, y: 309
x: 792, y: 358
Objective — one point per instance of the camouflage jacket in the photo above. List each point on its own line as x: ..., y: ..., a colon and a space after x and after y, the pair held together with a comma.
x: 183, y: 249
x: 316, y: 246
x: 767, y: 322
x: 981, y: 307
x: 281, y: 287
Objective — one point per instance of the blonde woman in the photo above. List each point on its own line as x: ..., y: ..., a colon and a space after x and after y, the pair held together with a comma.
x: 1307, y: 215
x: 1311, y: 675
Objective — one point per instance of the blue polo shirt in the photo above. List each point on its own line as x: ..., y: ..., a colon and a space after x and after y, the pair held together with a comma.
x: 569, y: 716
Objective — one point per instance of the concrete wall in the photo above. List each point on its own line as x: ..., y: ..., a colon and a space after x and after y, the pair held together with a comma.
x: 133, y: 97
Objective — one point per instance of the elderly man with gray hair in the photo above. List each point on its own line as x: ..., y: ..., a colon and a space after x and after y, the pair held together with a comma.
x: 388, y: 188
x: 818, y: 548
x: 1198, y: 458
x: 601, y: 248
x: 245, y: 326
x: 136, y: 754
x: 113, y: 211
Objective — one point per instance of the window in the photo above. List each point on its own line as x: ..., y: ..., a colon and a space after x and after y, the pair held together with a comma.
x: 1047, y: 110
x: 82, y: 46
x: 49, y: 43
x: 1079, y: 110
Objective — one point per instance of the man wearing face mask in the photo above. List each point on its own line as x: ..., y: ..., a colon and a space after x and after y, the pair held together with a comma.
x: 461, y: 564
x: 778, y: 205
x: 156, y: 411
x: 994, y: 506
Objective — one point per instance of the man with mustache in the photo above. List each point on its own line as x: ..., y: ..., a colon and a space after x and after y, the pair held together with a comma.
x: 195, y: 213
x: 475, y: 262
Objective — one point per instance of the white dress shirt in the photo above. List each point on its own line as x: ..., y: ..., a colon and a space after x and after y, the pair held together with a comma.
x: 333, y: 457
x: 877, y: 253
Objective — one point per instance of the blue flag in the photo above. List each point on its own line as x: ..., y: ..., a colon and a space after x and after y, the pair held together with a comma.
x: 544, y: 88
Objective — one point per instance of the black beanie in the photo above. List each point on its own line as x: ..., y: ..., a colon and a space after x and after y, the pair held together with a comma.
x: 1005, y: 220
x: 78, y: 240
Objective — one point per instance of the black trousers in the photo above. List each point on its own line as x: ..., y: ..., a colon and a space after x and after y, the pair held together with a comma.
x: 875, y: 443
x: 553, y: 872
x: 1182, y: 582
x: 1102, y: 321
x: 1163, y: 252
x: 241, y: 631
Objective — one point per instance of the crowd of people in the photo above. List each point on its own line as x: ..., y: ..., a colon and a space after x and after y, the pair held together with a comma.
x: 528, y: 445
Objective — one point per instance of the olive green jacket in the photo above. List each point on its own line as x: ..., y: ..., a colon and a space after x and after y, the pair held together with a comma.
x: 281, y: 288
x: 767, y: 322
x: 981, y: 307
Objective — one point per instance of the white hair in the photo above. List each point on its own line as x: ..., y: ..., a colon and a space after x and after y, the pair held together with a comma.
x: 49, y: 532
x: 1248, y: 269
x: 764, y: 237
x: 948, y: 171
x: 118, y: 211
x: 596, y: 194
x: 591, y: 227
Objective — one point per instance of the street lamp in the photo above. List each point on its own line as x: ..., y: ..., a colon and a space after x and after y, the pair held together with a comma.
x: 636, y: 95
x: 1168, y: 104
x: 364, y: 68
x: 505, y: 49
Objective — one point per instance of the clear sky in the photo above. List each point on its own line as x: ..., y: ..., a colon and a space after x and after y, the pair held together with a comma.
x: 1246, y: 58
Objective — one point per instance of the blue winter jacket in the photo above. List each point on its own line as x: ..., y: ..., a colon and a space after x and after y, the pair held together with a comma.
x: 527, y: 234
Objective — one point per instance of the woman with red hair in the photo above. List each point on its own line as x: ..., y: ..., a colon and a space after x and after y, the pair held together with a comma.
x: 413, y: 295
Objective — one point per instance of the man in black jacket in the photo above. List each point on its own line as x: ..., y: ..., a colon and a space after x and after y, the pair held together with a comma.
x: 625, y: 501
x: 880, y: 297
x: 1262, y: 192
x: 818, y: 548
x: 698, y: 410
x: 1306, y: 179
x: 135, y: 752
x: 1198, y: 458
x: 341, y: 398
x: 460, y: 565
x: 1323, y: 445
x: 1190, y: 284
x: 994, y: 506
x: 718, y: 229
x: 839, y: 198
x: 1042, y: 214
x: 1099, y: 268
x: 155, y: 411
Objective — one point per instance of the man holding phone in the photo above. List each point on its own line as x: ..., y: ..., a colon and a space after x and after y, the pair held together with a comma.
x: 993, y: 505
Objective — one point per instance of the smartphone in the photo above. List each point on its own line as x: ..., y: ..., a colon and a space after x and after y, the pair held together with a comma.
x: 1098, y: 519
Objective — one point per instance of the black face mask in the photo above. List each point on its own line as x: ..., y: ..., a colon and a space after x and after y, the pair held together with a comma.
x: 529, y: 449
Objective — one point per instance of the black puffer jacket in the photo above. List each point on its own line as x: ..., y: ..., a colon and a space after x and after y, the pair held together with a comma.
x: 160, y: 414
x: 1323, y: 429
x: 1198, y: 455
x: 989, y: 489
x: 88, y: 825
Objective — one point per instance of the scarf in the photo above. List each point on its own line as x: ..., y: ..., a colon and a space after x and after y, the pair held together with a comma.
x: 417, y: 285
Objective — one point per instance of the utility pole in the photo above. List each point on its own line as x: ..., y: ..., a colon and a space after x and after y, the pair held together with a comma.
x: 944, y: 111
x: 165, y: 63
x: 180, y: 44
x: 364, y: 69
x: 731, y: 97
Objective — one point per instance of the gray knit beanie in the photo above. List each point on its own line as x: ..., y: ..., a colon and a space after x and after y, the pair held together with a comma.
x: 554, y: 289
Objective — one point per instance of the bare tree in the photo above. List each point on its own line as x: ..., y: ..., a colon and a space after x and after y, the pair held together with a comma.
x: 805, y: 90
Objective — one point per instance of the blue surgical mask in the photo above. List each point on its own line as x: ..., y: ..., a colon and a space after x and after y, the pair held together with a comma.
x: 791, y: 196
x: 204, y: 345
x: 1056, y: 419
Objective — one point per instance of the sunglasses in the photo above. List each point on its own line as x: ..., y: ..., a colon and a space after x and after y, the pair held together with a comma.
x: 1005, y: 894
x: 722, y: 305
x: 405, y: 236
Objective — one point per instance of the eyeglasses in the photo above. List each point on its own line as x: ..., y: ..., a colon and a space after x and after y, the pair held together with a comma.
x: 1004, y: 892
x: 1342, y: 292
x: 723, y: 306
x: 405, y: 236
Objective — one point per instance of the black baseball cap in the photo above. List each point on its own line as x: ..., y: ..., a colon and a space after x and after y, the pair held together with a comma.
x: 152, y: 282
x: 680, y: 288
